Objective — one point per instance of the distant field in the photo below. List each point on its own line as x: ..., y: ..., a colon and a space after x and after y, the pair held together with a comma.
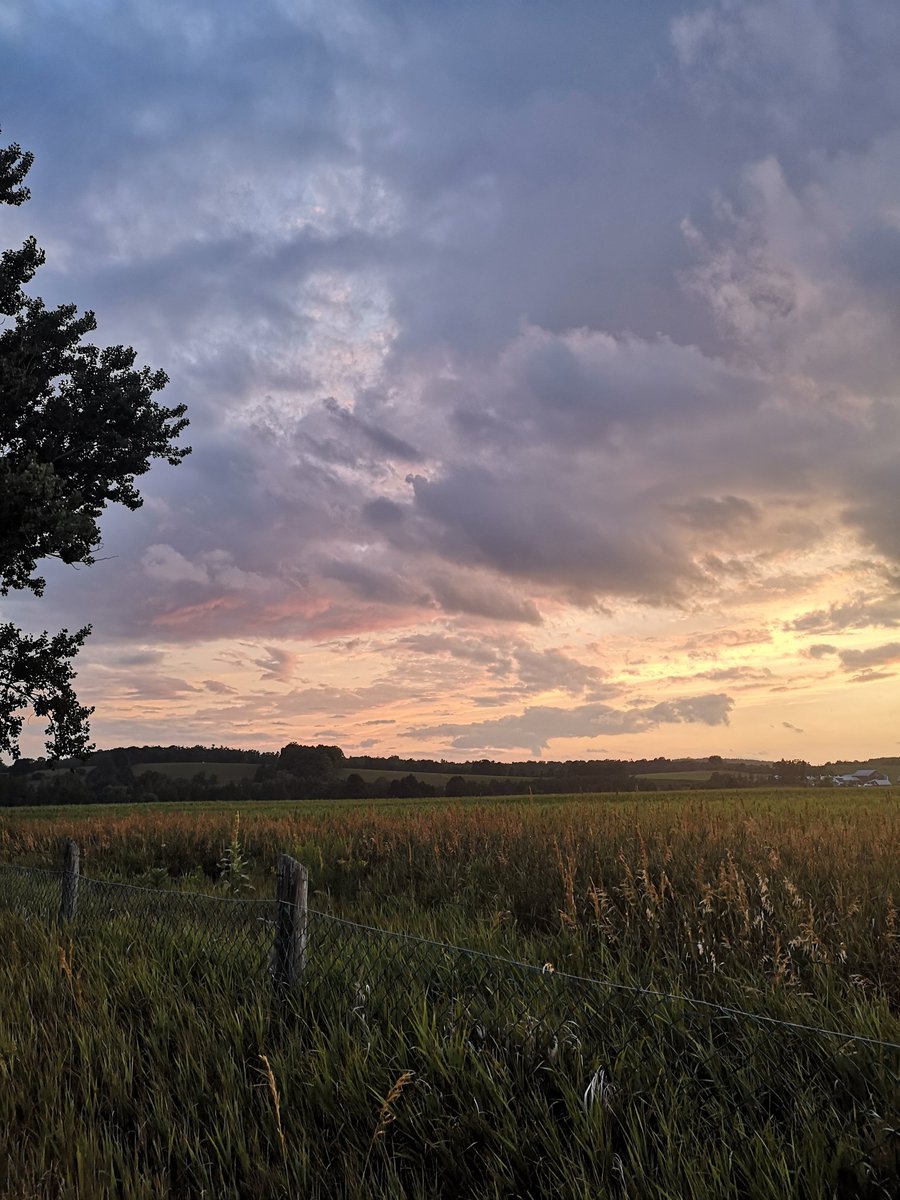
x: 890, y: 767
x: 435, y: 778
x: 225, y: 772
x: 676, y: 776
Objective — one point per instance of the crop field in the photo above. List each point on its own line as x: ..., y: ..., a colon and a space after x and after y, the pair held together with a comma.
x: 435, y: 778
x: 135, y: 1067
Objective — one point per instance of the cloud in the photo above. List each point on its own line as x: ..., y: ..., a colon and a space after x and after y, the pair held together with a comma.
x: 874, y: 656
x: 526, y: 670
x: 451, y: 353
x: 277, y: 664
x: 711, y: 643
x: 868, y: 676
x: 708, y: 513
x: 137, y: 686
x: 796, y: 71
x: 553, y: 449
x: 389, y: 444
x: 821, y: 650
x: 166, y: 565
x: 861, y: 612
x: 740, y: 675
x: 219, y: 688
x: 374, y: 584
x: 137, y: 658
x: 536, y: 726
x: 483, y: 597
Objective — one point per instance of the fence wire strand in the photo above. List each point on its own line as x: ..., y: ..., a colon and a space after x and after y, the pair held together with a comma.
x: 564, y: 979
x: 30, y: 892
x: 373, y: 979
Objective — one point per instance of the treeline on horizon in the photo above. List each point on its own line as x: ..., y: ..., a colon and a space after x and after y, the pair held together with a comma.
x: 323, y: 772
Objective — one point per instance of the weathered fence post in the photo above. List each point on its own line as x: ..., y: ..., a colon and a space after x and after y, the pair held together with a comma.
x: 291, y: 923
x: 68, y: 901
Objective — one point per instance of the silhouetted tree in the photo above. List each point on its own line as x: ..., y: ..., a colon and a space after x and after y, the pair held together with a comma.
x: 77, y: 425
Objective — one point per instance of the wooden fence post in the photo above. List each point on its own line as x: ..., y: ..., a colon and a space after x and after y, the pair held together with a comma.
x: 68, y: 901
x: 291, y: 923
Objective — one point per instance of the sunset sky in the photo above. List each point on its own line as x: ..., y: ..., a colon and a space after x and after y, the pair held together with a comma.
x: 542, y: 361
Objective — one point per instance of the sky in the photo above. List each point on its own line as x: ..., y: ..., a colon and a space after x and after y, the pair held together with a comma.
x: 542, y: 363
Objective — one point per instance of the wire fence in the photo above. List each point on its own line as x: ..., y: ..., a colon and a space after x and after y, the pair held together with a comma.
x: 372, y: 979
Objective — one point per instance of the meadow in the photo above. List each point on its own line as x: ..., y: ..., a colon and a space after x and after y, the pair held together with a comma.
x: 124, y: 1063
x: 225, y: 772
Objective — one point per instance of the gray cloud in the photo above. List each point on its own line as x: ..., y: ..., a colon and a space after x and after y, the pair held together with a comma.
x: 525, y: 670
x: 136, y: 685
x: 868, y: 676
x: 383, y: 440
x: 861, y: 612
x: 536, y: 726
x: 716, y: 513
x: 821, y: 650
x: 874, y: 656
x: 276, y: 664
x: 813, y: 71
x: 483, y: 597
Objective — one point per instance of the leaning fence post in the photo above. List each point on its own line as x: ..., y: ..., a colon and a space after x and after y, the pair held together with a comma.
x: 68, y: 901
x: 289, y: 952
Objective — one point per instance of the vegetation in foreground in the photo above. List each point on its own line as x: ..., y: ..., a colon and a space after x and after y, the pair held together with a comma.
x: 125, y: 1065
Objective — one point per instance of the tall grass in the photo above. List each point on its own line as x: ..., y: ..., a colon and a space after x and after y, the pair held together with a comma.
x: 779, y: 895
x: 128, y: 1071
x: 126, y: 1075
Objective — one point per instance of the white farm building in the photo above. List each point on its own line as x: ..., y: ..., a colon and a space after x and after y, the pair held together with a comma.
x: 863, y: 778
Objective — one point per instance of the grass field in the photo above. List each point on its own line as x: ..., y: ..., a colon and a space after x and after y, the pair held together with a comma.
x: 676, y: 777
x: 225, y: 772
x: 124, y: 1063
x: 435, y: 778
